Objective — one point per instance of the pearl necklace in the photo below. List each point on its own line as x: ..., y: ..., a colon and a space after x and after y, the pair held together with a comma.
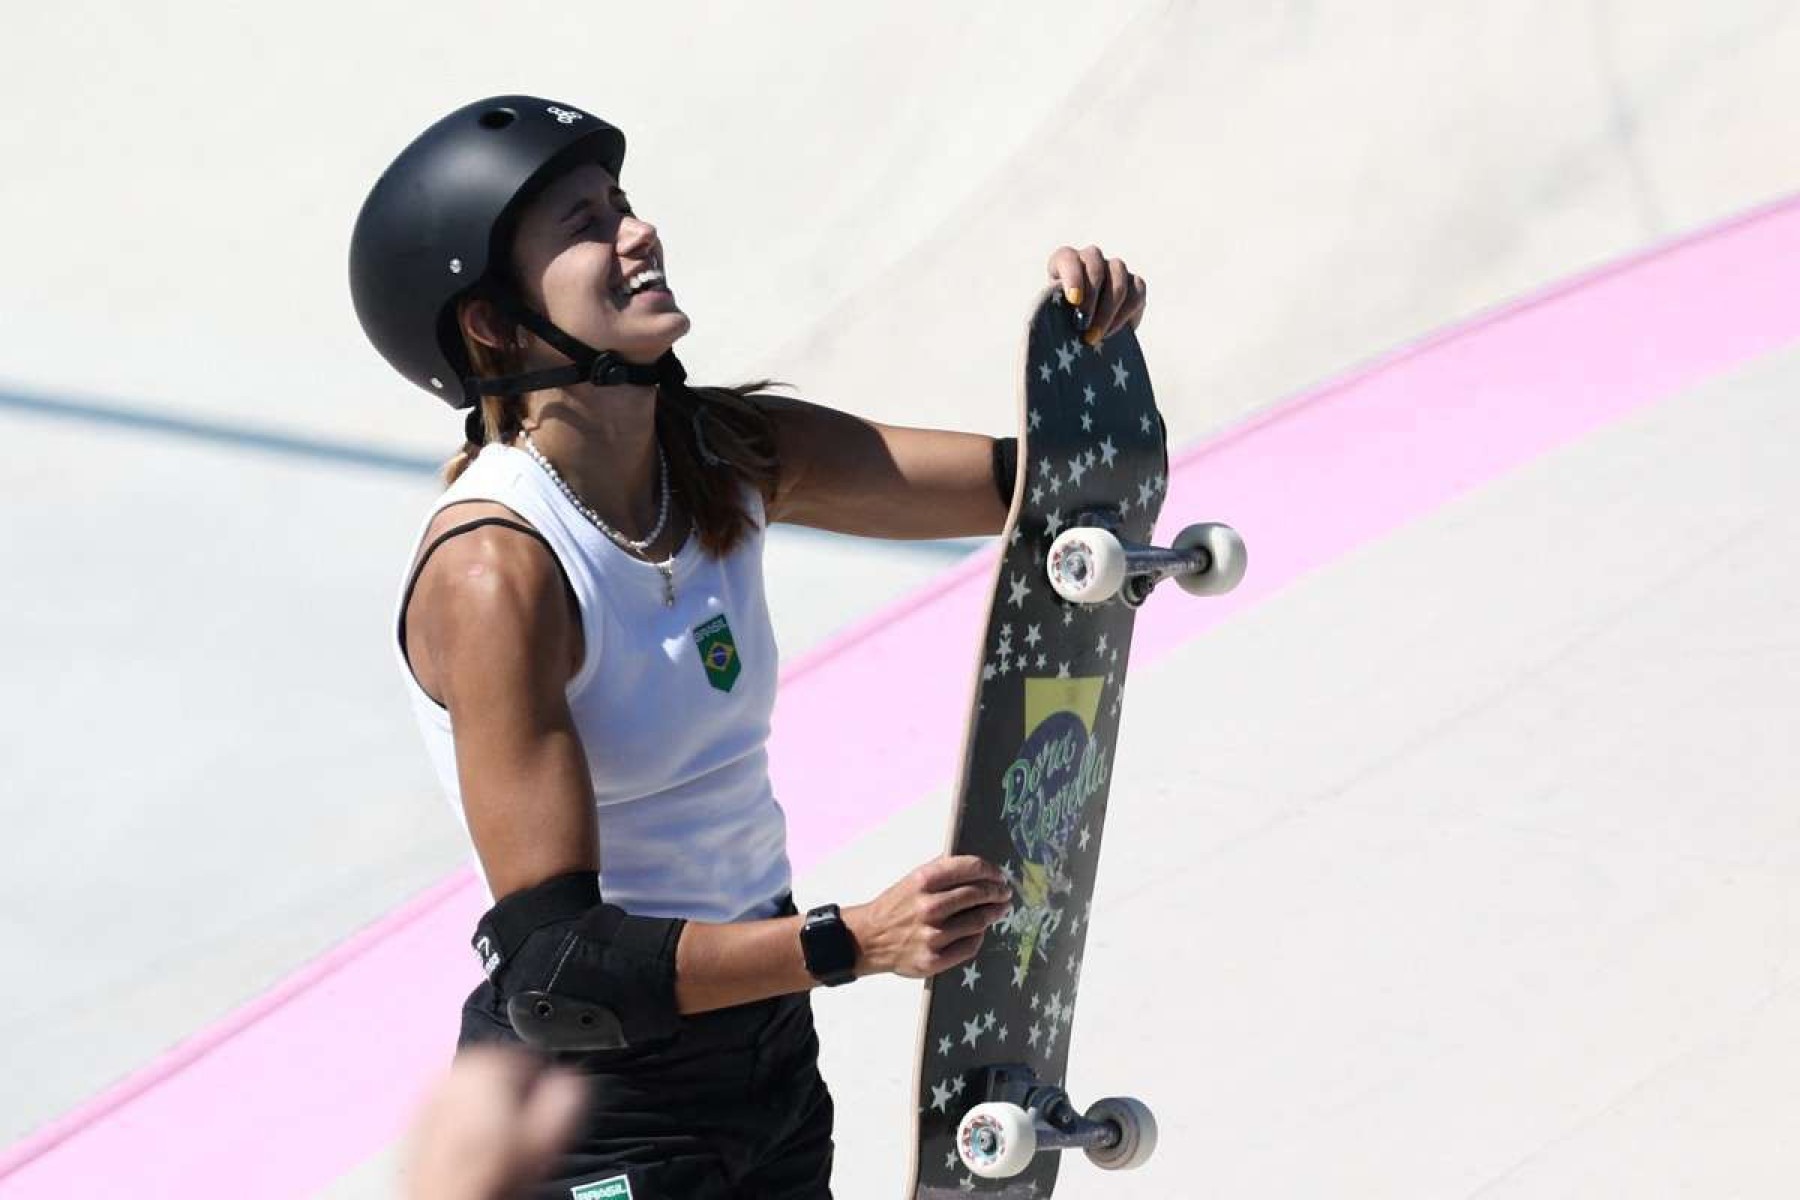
x: 667, y: 566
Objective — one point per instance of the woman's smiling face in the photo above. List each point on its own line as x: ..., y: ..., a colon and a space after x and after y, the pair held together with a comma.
x: 585, y: 261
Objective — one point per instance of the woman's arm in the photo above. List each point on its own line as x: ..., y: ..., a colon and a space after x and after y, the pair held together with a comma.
x: 931, y: 920
x: 492, y: 636
x: 850, y: 475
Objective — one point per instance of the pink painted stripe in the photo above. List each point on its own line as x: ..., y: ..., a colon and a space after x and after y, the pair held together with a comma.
x: 157, y: 1128
x: 301, y: 1086
x: 1355, y: 459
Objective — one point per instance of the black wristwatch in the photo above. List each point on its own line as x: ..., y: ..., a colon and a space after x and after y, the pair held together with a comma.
x: 827, y: 946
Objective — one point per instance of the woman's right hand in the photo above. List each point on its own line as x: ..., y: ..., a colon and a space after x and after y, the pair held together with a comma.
x: 930, y: 921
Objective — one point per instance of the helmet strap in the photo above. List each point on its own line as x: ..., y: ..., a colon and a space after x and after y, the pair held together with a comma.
x: 603, y: 368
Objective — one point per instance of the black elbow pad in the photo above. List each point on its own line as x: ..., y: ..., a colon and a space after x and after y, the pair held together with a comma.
x: 579, y: 975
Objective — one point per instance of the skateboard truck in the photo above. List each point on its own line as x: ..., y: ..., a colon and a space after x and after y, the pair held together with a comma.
x: 1021, y: 1118
x: 1089, y: 563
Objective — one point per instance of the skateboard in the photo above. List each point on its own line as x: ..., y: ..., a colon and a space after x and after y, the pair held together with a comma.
x: 1075, y: 564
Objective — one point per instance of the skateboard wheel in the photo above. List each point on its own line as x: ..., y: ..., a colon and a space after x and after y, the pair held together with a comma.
x: 1137, y: 1133
x: 996, y: 1140
x: 1229, y: 559
x: 1086, y: 565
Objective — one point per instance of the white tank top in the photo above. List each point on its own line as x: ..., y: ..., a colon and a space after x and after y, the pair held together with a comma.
x: 672, y: 706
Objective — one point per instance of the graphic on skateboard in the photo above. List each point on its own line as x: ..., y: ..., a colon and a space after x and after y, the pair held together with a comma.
x: 1075, y: 563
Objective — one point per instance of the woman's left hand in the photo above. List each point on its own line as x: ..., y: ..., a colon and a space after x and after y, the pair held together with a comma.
x: 1106, y: 295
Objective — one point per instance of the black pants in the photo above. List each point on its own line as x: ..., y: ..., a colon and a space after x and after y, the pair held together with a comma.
x: 733, y: 1109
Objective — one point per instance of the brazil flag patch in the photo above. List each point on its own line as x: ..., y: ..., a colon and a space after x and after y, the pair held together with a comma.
x: 718, y: 653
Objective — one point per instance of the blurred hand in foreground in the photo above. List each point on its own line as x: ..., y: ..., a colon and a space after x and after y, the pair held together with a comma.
x: 494, y: 1125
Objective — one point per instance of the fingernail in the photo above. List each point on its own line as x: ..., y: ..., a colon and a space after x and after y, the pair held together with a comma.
x: 1072, y: 295
x: 1092, y: 337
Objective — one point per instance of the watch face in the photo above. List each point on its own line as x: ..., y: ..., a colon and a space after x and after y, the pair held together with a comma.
x: 826, y: 944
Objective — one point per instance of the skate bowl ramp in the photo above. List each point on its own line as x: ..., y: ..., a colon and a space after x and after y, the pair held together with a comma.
x: 1452, y: 855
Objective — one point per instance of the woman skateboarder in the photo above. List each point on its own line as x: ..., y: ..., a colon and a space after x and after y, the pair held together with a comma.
x: 584, y: 637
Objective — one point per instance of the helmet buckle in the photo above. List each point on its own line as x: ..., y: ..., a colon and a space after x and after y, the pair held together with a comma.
x: 605, y: 371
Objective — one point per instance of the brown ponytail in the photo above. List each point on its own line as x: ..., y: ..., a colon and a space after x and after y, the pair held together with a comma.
x: 495, y: 418
x: 719, y: 441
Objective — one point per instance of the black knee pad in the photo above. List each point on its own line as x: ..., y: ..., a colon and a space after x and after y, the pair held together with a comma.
x: 577, y: 974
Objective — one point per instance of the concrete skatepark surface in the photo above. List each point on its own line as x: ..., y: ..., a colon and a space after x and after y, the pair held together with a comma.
x: 1485, y: 873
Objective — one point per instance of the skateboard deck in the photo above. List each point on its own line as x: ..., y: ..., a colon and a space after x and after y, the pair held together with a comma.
x: 1043, y: 725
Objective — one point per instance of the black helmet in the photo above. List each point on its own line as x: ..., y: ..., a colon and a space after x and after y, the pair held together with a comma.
x: 437, y: 225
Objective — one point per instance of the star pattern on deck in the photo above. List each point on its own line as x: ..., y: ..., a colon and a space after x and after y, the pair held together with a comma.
x: 1092, y: 452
